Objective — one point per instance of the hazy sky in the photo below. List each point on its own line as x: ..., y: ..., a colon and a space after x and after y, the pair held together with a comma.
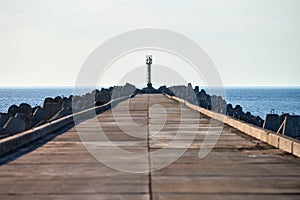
x: 45, y: 42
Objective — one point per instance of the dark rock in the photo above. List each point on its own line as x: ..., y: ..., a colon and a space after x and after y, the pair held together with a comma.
x: 88, y: 101
x: 137, y: 91
x: 35, y: 108
x: 67, y: 104
x: 116, y: 93
x: 99, y: 103
x: 196, y: 90
x: 128, y: 89
x: 238, y: 112
x: 3, y: 119
x: 204, y: 99
x: 61, y: 113
x: 229, y: 110
x: 77, y: 104
x: 39, y: 115
x: 272, y: 122
x: 15, y: 125
x: 25, y: 108
x: 218, y: 104
x: 203, y: 91
x: 165, y: 90
x: 52, y: 106
x: 3, y: 132
x: 105, y: 95
x: 87, y: 104
x: 12, y: 110
x: 57, y: 99
x: 292, y: 126
x: 21, y: 116
x: 185, y: 92
x: 257, y: 121
x: 238, y: 108
x: 39, y: 123
x: 247, y: 117
x: 223, y: 107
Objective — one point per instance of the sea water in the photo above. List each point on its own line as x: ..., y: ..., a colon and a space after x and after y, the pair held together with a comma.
x: 259, y: 101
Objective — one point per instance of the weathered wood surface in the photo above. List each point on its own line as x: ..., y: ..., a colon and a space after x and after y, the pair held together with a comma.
x: 239, y: 167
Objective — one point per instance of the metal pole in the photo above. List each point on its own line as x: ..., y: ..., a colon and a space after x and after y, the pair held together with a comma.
x: 149, y: 62
x: 149, y: 73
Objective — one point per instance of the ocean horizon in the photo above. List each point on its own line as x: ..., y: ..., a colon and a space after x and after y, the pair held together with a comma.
x: 257, y: 100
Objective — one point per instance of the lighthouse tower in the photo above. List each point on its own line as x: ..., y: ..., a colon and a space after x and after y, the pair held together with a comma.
x: 149, y: 62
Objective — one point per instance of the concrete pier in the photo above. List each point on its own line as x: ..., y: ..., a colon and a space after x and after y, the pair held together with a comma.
x: 238, y: 167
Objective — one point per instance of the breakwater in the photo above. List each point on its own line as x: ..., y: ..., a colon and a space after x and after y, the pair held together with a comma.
x: 286, y: 124
x: 66, y: 168
x: 23, y: 117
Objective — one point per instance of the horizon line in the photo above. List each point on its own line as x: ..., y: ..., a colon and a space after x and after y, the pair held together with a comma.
x: 201, y: 86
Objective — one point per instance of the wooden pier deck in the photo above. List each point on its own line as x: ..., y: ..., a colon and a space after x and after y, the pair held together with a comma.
x: 238, y: 167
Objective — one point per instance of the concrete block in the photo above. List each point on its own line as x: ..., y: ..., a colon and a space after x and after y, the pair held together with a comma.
x: 170, y: 97
x: 259, y: 133
x: 230, y: 121
x: 273, y: 140
x: 192, y: 106
x: 179, y: 99
x: 292, y: 128
x: 205, y: 111
x: 3, y: 119
x: 296, y: 148
x: 233, y: 123
x: 242, y: 127
x: 15, y: 125
x: 285, y: 144
x: 219, y: 117
x: 272, y: 122
x: 252, y: 131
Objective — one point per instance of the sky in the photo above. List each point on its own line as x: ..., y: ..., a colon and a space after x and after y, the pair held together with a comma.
x: 252, y: 43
